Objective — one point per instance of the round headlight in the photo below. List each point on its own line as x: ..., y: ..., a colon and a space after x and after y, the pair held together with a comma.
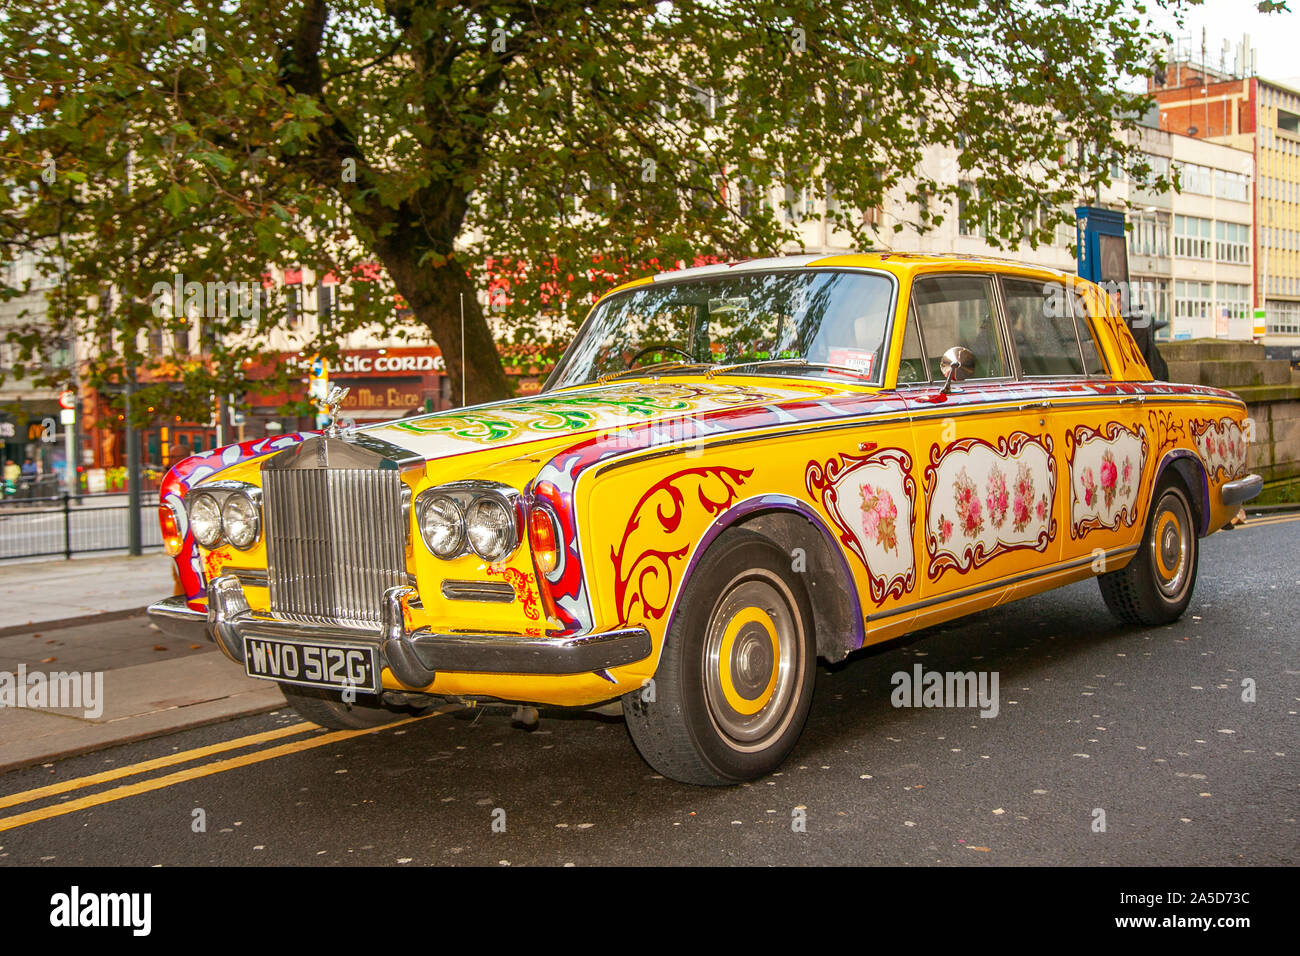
x: 240, y: 521
x: 205, y: 520
x: 490, y: 526
x: 442, y: 525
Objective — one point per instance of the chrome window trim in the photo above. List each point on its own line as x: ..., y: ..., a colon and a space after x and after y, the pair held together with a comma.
x: 1003, y: 278
x: 878, y: 377
x: 999, y: 321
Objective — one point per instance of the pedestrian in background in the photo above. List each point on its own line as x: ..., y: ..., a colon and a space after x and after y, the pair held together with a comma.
x: 27, y: 478
x: 12, y: 475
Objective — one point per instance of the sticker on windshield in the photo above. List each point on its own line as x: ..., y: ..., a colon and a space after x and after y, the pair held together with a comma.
x: 861, y: 359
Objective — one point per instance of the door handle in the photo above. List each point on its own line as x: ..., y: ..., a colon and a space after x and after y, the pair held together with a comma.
x: 1031, y: 406
x: 1132, y: 400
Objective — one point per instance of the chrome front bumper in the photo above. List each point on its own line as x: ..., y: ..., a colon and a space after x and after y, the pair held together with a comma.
x: 414, y: 657
x: 1240, y: 491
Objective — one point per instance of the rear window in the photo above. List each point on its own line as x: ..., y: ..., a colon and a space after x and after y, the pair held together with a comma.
x: 1042, y: 327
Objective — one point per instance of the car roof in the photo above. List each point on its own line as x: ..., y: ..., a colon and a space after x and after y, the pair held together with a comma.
x: 896, y: 262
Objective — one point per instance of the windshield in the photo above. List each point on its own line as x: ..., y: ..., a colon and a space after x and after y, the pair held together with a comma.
x: 801, y: 321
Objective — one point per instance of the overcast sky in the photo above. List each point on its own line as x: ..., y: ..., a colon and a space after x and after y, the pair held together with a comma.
x: 1275, y: 37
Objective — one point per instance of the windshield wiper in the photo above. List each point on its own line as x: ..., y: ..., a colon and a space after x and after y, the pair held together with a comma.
x: 797, y: 362
x: 661, y: 366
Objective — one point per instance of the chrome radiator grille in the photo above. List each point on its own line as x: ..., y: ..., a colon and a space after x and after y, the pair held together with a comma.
x: 335, y: 540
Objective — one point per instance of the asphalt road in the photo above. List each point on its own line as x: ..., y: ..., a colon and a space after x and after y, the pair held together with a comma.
x: 1147, y: 726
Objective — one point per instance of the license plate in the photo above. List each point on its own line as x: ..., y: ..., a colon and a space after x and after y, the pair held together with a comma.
x: 333, y: 666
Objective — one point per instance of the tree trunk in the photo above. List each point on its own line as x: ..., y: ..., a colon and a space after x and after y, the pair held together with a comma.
x: 434, y: 296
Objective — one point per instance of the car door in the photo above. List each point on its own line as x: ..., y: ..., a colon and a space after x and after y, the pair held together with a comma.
x: 1107, y: 449
x: 989, y: 470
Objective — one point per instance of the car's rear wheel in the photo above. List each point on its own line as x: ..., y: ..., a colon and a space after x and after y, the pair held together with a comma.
x: 1156, y: 586
x: 328, y: 708
x: 735, y: 679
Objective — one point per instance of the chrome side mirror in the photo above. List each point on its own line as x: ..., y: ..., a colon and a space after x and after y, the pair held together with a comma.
x: 957, y: 365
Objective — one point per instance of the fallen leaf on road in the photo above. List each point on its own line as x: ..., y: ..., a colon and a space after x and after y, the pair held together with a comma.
x: 159, y: 647
x: 49, y: 660
x: 195, y: 647
x: 982, y: 849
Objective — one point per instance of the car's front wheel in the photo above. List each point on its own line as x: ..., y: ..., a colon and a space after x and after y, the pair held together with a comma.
x: 1156, y: 586
x: 328, y: 708
x: 735, y: 678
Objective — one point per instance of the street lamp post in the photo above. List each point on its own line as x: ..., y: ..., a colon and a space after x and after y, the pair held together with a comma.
x: 132, y: 436
x: 132, y: 471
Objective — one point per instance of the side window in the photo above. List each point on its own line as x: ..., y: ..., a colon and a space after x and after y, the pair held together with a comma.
x: 911, y: 366
x: 1094, y: 365
x: 959, y: 310
x: 1041, y: 322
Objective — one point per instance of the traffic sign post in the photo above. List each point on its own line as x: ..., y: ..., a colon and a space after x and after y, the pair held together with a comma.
x: 68, y: 419
x: 318, y: 387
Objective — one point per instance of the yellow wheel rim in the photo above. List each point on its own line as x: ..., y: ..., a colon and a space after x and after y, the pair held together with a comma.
x: 726, y: 660
x: 1168, y: 546
x: 753, y: 662
x: 1172, y: 544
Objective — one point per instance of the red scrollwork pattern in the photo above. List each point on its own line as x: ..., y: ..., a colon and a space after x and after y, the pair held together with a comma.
x: 665, y: 503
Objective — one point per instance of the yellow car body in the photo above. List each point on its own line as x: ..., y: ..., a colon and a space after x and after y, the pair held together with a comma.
x: 898, y: 504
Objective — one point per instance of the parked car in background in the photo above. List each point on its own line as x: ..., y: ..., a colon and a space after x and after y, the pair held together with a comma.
x: 733, y: 471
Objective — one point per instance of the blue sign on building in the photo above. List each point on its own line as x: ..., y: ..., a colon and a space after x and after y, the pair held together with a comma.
x: 1102, y: 252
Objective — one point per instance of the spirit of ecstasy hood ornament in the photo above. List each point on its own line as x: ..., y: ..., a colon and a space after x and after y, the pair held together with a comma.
x: 330, y: 407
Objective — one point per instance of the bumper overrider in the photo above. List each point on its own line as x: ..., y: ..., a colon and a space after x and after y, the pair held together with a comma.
x: 1240, y: 491
x: 414, y: 656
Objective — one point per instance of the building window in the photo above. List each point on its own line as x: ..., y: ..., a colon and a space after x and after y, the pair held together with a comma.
x: 1150, y: 235
x: 1153, y: 296
x: 324, y: 302
x: 1234, y: 299
x: 1193, y: 304
x: 1194, y: 178
x: 181, y: 338
x: 965, y: 192
x: 1192, y: 237
x: 1283, y: 318
x: 1232, y: 242
x: 1230, y: 185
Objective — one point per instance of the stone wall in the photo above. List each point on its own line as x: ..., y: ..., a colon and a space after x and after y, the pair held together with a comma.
x: 1269, y: 387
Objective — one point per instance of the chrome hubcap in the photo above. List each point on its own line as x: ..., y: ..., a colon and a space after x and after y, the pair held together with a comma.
x: 1171, y: 546
x: 753, y: 660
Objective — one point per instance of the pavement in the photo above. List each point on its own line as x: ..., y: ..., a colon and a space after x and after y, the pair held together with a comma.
x: 43, y: 592
x: 86, y: 616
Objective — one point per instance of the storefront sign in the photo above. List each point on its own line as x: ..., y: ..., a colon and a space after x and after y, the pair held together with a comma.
x: 381, y: 362
x: 396, y: 396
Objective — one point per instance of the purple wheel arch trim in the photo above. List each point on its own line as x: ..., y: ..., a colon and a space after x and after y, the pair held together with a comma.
x: 1166, y: 462
x: 762, y: 503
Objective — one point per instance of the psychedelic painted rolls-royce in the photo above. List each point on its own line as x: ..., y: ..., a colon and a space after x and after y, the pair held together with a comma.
x: 732, y: 472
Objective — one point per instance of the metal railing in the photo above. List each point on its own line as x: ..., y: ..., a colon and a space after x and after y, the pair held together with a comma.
x: 64, y: 525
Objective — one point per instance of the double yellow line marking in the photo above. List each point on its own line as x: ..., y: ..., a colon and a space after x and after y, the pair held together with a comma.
x: 180, y: 776
x: 1272, y: 519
